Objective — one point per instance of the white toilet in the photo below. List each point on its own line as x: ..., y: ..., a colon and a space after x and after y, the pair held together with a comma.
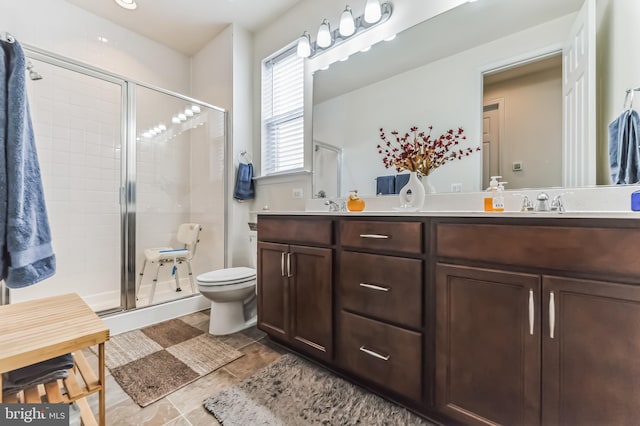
x: 232, y: 292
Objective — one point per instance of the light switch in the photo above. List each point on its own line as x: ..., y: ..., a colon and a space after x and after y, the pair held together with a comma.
x: 517, y: 166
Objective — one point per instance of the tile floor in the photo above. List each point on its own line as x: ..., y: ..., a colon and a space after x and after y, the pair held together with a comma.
x: 184, y: 407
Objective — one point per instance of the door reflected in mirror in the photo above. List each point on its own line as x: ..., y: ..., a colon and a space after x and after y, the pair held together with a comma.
x: 327, y: 170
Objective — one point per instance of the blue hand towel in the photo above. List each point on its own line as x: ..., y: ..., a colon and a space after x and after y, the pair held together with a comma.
x: 401, y: 181
x: 385, y: 185
x: 27, y: 255
x: 244, y: 189
x: 624, y: 146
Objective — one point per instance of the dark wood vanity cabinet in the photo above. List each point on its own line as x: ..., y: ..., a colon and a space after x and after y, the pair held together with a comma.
x: 511, y: 321
x: 379, y: 301
x: 295, y: 301
x: 530, y: 348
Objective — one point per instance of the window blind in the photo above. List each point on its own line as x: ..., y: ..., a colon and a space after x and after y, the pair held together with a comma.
x: 283, y: 113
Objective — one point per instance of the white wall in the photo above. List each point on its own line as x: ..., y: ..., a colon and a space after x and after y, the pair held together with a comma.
x: 445, y: 94
x: 212, y: 81
x: 532, y: 128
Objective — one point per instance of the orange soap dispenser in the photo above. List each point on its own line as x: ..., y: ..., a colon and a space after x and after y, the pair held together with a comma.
x: 355, y: 203
x: 492, y: 190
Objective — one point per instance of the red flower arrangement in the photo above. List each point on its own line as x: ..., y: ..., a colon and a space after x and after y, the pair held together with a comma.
x: 419, y: 152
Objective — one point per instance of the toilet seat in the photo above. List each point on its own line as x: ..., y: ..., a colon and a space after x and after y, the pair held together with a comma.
x: 227, y: 276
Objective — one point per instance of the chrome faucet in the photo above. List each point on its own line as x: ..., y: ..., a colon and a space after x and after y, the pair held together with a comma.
x: 527, y: 205
x: 557, y: 205
x: 333, y: 206
x: 543, y: 202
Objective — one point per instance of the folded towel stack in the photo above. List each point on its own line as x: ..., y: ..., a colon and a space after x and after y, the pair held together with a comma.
x: 385, y: 185
x: 401, y: 181
x: 42, y: 372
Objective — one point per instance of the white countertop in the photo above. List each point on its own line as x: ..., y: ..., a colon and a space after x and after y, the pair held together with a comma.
x: 523, y: 215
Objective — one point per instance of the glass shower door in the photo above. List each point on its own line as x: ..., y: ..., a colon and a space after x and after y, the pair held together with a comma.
x: 179, y: 179
x: 78, y: 121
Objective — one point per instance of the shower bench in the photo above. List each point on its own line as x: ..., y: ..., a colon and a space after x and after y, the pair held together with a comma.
x: 42, y: 329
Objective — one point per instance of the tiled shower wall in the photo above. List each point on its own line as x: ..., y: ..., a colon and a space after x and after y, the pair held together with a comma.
x: 77, y: 124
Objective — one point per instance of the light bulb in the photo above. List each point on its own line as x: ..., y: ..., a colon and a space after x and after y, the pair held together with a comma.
x: 390, y: 38
x: 175, y: 119
x: 304, y: 46
x: 127, y: 4
x: 188, y: 112
x: 182, y: 117
x: 324, y: 35
x: 196, y: 109
x: 372, y: 11
x: 366, y: 49
x: 162, y: 127
x: 347, y: 24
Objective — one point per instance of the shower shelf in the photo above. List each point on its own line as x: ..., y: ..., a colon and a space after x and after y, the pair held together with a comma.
x: 42, y: 329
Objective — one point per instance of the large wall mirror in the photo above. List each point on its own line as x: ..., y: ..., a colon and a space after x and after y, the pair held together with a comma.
x: 456, y: 70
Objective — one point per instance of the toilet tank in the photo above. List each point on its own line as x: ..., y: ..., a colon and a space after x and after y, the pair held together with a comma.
x: 253, y: 243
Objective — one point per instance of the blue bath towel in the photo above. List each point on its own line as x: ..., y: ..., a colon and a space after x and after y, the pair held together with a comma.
x: 624, y: 146
x: 385, y: 185
x: 27, y: 255
x: 41, y: 372
x: 401, y: 181
x: 244, y: 189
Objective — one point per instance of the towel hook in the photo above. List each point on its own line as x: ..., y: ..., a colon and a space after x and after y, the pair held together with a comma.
x: 629, y: 97
x: 5, y: 36
x: 246, y: 156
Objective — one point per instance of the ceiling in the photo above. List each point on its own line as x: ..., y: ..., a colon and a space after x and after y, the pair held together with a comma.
x: 187, y: 25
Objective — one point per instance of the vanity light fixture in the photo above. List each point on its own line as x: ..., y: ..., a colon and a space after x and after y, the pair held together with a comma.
x: 372, y: 11
x: 324, y: 38
x: 304, y: 46
x: 347, y: 23
x: 375, y: 14
x: 127, y: 4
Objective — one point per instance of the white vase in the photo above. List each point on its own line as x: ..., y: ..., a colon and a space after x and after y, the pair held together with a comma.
x: 412, y: 194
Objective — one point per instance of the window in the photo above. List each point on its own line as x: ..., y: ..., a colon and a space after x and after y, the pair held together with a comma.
x: 283, y: 113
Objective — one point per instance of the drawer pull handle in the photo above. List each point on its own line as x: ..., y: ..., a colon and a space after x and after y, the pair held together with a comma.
x: 531, y: 312
x: 282, y: 263
x: 375, y: 287
x: 374, y: 354
x: 289, y: 274
x: 375, y: 236
x: 552, y: 314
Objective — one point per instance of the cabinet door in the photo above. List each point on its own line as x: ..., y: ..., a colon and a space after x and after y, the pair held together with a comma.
x: 273, y: 292
x: 591, y: 372
x: 487, y: 345
x: 311, y: 301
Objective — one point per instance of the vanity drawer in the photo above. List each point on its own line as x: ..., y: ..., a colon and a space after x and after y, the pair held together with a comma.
x: 385, y: 287
x: 382, y: 354
x: 405, y: 237
x: 295, y: 230
x: 571, y: 248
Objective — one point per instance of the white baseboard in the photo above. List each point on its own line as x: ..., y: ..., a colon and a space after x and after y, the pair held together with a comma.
x: 142, y: 317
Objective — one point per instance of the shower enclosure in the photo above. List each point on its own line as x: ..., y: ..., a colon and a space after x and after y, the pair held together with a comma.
x: 123, y: 165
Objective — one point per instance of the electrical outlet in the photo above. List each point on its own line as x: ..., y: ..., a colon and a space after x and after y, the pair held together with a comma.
x: 456, y: 187
x: 297, y: 193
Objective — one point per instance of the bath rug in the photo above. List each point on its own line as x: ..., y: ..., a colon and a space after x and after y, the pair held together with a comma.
x: 152, y: 362
x: 292, y: 391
